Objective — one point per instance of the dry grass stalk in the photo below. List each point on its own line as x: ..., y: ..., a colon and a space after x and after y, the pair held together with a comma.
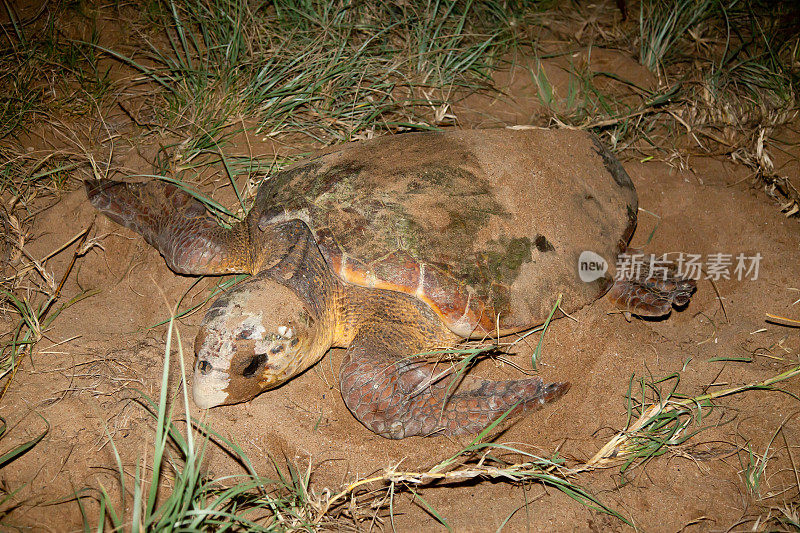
x: 34, y: 320
x: 541, y: 470
x: 784, y: 321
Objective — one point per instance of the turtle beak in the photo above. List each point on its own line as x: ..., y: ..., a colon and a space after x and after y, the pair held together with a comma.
x: 209, y: 387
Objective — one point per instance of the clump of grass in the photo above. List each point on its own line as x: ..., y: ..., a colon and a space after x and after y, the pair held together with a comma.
x: 330, y: 70
x: 666, y: 421
x: 40, y: 67
x: 754, y: 467
x: 653, y: 427
x: 775, y: 494
x: 662, y: 24
x: 728, y: 76
x: 19, y: 61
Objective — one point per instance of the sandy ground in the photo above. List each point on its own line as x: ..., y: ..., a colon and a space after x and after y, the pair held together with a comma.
x: 83, y: 377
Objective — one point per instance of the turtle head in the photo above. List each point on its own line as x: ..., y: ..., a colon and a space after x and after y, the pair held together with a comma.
x: 254, y: 337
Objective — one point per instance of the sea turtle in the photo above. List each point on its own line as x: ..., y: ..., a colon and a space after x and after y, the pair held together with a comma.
x: 396, y: 246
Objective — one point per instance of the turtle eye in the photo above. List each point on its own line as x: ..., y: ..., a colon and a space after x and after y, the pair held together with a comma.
x: 204, y: 367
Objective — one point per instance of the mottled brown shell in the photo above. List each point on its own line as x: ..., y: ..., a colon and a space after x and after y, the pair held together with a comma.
x: 484, y: 226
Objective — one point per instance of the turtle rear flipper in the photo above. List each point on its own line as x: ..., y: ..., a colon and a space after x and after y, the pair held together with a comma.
x: 176, y: 224
x: 397, y: 395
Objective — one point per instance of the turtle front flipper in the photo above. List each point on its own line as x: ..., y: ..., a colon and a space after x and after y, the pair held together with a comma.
x: 396, y: 395
x: 176, y: 224
x: 653, y: 292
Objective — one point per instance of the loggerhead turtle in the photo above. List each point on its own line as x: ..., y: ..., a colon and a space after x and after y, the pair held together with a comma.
x: 396, y: 246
